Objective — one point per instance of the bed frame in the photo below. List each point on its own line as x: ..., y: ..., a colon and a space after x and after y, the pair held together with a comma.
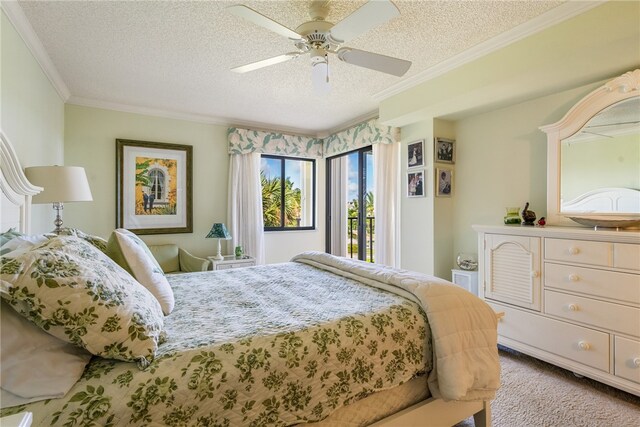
x: 15, y: 211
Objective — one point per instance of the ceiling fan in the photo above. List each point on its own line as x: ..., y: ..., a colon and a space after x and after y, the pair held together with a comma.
x: 319, y: 38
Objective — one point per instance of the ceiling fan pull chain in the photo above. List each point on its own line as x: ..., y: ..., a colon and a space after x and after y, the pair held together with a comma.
x: 326, y: 58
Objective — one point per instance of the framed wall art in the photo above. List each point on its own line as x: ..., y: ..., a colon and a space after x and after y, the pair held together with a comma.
x: 444, y: 182
x: 154, y: 187
x: 415, y: 154
x: 415, y: 184
x: 445, y: 150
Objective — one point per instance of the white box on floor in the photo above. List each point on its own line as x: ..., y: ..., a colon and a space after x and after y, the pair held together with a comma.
x: 466, y: 279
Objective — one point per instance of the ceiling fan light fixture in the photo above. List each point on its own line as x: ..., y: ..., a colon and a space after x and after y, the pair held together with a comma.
x: 320, y: 77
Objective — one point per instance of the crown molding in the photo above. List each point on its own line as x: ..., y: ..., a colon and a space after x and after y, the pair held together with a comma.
x: 190, y: 117
x: 20, y: 22
x: 548, y: 19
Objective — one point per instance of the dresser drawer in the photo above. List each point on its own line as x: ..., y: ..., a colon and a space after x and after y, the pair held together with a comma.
x: 579, y: 251
x: 626, y: 256
x: 573, y: 342
x: 592, y: 312
x: 608, y: 284
x: 627, y: 359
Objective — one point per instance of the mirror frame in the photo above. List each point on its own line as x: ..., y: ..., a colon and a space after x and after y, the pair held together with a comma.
x: 619, y: 89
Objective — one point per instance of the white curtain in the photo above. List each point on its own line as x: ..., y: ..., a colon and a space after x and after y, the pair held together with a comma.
x: 245, y: 221
x: 385, y: 176
x: 339, y: 188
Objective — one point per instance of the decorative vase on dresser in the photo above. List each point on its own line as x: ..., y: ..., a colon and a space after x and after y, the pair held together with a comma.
x: 570, y: 296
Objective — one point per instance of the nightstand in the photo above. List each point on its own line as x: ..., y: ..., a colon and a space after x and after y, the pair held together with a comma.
x: 466, y: 279
x: 230, y: 261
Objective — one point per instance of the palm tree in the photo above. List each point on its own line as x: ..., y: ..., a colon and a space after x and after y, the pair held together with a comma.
x: 272, y: 201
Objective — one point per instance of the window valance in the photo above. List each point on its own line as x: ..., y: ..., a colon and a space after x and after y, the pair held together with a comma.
x: 361, y: 135
x: 243, y: 141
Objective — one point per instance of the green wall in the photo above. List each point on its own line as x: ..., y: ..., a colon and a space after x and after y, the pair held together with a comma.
x: 32, y: 112
x: 90, y: 141
x: 90, y: 135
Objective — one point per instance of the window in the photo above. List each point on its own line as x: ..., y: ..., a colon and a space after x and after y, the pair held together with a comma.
x: 350, y: 208
x: 288, y: 193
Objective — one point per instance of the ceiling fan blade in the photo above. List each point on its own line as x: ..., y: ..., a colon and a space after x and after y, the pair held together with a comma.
x: 369, y: 15
x: 320, y: 77
x: 265, y: 62
x: 263, y: 21
x: 374, y: 61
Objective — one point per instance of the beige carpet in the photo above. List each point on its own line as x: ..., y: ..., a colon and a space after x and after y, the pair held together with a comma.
x: 535, y: 393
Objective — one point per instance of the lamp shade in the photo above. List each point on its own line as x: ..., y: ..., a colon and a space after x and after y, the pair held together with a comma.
x: 219, y: 231
x: 60, y: 183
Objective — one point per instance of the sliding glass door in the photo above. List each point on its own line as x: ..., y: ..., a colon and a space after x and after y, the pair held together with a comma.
x: 350, y: 215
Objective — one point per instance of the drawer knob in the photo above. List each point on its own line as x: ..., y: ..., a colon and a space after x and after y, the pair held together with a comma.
x: 535, y: 274
x: 584, y: 346
x: 573, y: 307
x: 636, y: 362
x: 574, y: 277
x: 574, y: 251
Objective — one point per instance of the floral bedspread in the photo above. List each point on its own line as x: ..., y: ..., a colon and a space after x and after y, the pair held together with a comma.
x: 270, y: 345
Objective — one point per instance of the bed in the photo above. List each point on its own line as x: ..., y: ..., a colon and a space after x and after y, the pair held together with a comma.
x: 320, y: 340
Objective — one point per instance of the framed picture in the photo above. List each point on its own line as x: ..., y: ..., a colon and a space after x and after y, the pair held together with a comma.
x: 415, y: 184
x: 444, y: 182
x: 415, y: 154
x: 153, y: 187
x: 445, y: 150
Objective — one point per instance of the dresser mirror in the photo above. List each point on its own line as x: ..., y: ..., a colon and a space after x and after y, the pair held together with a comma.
x: 593, y: 172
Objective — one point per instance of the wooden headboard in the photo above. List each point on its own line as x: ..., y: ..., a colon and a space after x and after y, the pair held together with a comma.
x: 16, y: 190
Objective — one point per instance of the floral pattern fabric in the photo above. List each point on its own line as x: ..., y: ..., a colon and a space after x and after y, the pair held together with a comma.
x: 244, y: 141
x: 72, y: 290
x: 270, y: 345
x: 361, y: 135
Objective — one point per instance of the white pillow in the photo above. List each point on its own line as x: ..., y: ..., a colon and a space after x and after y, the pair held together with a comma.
x: 132, y: 254
x: 21, y: 244
x: 33, y: 364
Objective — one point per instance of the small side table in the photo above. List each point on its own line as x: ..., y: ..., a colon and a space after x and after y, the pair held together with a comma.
x: 230, y: 261
x: 466, y: 279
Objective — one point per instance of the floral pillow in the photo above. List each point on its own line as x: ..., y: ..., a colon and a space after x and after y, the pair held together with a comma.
x: 132, y: 254
x: 7, y: 236
x: 76, y: 293
x: 96, y: 241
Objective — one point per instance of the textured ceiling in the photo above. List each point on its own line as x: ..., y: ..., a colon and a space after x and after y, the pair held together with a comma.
x: 176, y: 56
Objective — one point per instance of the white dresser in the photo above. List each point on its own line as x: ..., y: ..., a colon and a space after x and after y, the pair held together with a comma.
x: 570, y: 296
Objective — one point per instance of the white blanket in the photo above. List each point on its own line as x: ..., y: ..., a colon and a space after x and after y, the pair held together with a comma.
x: 464, y: 328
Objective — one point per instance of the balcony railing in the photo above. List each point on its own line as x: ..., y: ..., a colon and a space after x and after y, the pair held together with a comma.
x: 352, y: 247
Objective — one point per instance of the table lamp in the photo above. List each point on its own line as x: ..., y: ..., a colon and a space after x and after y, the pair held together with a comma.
x: 61, y: 184
x: 219, y: 231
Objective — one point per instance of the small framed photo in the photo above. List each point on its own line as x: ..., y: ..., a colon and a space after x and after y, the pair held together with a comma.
x: 153, y: 187
x: 415, y: 184
x: 444, y: 182
x: 445, y: 150
x: 415, y: 154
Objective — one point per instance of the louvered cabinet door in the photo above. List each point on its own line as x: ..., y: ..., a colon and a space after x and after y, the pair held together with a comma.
x: 512, y: 270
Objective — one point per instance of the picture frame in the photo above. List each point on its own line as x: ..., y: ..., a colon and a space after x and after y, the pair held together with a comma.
x: 444, y: 150
x: 444, y: 182
x: 416, y: 186
x: 154, y: 187
x: 415, y: 154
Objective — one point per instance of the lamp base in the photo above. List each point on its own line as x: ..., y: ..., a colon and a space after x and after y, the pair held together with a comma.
x: 219, y: 256
x: 58, y: 206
